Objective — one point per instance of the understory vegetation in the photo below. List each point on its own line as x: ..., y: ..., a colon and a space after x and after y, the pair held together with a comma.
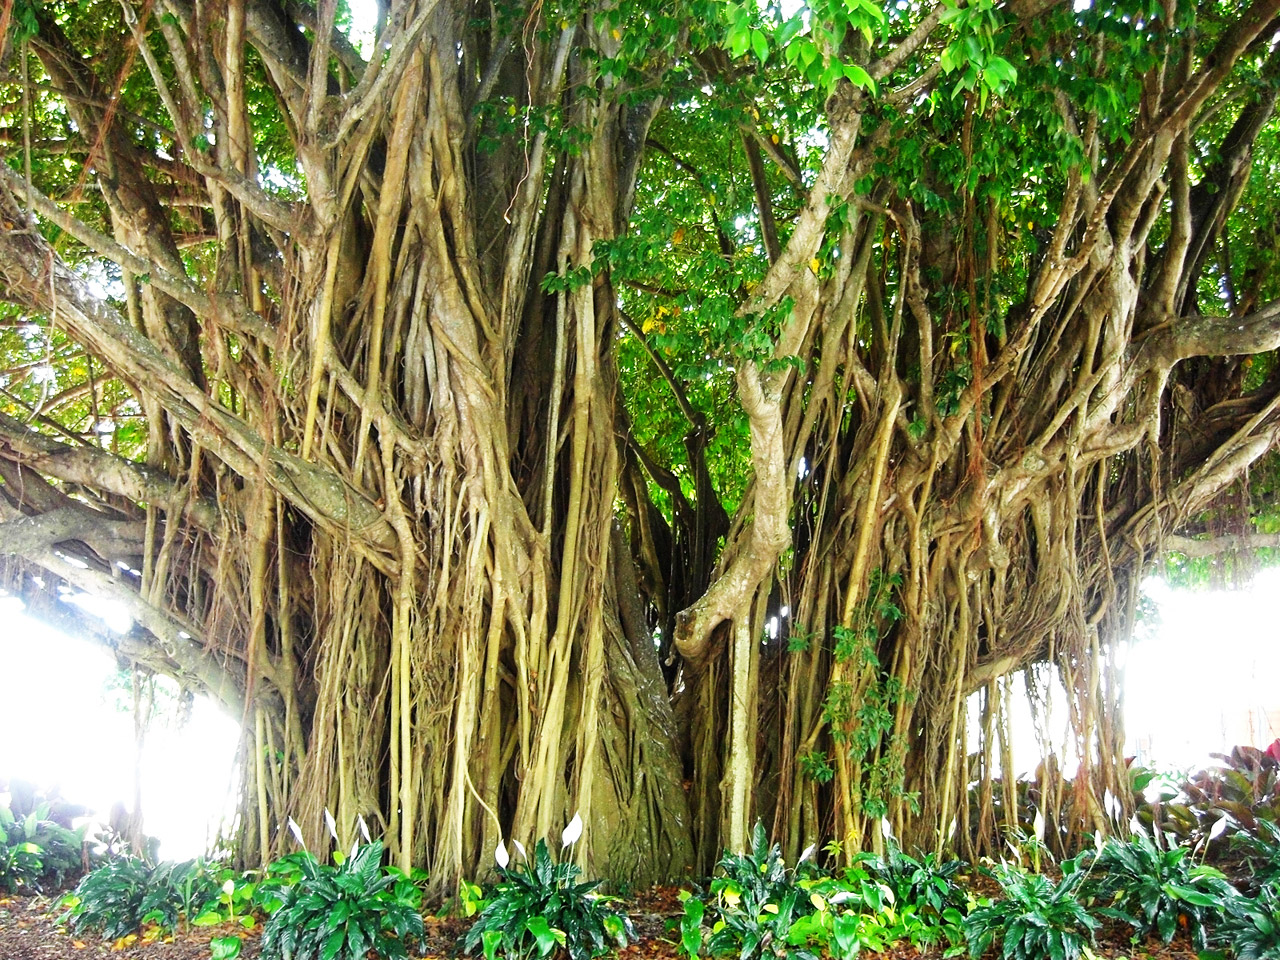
x: 39, y: 848
x: 1216, y: 892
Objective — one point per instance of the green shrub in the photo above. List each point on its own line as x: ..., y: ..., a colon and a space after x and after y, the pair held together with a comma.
x: 757, y: 901
x: 763, y: 909
x: 537, y: 907
x: 1251, y: 928
x: 1157, y: 890
x: 1244, y: 786
x: 926, y: 882
x: 1036, y: 919
x: 342, y: 912
x: 109, y: 899
x: 1260, y: 847
x: 127, y: 893
x: 863, y: 915
x: 35, y: 850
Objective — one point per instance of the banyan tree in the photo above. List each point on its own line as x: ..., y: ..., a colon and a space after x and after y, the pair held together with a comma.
x: 682, y: 414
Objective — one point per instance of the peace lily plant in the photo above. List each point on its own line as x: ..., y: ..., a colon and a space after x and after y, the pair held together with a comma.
x: 537, y: 907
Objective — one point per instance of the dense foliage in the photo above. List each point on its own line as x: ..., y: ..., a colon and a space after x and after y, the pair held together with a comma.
x: 536, y: 909
x: 755, y: 905
x: 344, y: 911
x: 36, y: 850
x: 1157, y: 890
x: 1035, y: 918
x: 127, y: 893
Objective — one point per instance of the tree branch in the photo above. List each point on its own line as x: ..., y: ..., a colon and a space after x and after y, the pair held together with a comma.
x: 1196, y: 548
x: 37, y: 279
x: 727, y: 596
x: 97, y: 469
x: 1197, y: 336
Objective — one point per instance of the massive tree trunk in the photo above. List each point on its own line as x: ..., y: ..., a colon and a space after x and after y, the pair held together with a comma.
x: 392, y: 506
x: 376, y: 517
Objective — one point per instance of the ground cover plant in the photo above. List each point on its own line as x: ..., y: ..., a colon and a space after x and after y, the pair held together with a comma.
x: 754, y: 906
x: 127, y: 893
x: 344, y: 910
x: 36, y: 851
x: 756, y: 901
x: 1251, y: 928
x: 928, y: 880
x: 538, y: 907
x: 757, y: 906
x: 1158, y: 889
x: 1036, y: 918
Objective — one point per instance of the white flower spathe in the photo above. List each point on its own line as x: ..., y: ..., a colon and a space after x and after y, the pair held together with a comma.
x: 572, y: 832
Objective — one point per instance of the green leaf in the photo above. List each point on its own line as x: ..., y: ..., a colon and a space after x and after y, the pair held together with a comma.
x: 492, y: 939
x: 1190, y: 895
x: 859, y: 77
x: 1002, y: 70
x: 225, y: 948
x: 543, y: 934
x: 333, y: 944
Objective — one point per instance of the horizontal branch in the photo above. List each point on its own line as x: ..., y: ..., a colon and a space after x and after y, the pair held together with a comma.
x: 37, y: 279
x: 111, y: 539
x: 1196, y: 548
x: 98, y: 470
x: 1196, y: 336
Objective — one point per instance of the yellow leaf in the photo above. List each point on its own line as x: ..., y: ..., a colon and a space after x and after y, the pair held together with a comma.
x: 648, y: 325
x: 617, y: 34
x: 78, y: 944
x: 678, y: 236
x: 819, y: 903
x: 774, y: 138
x: 815, y: 265
x: 770, y: 908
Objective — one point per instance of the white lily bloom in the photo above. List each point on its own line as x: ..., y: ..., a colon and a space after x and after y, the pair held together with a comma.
x: 572, y: 832
x: 500, y: 855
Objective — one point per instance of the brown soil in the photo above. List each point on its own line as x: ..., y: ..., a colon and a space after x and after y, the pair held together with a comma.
x: 29, y: 930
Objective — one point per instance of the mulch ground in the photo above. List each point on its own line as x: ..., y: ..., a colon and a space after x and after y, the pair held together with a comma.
x: 29, y: 930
